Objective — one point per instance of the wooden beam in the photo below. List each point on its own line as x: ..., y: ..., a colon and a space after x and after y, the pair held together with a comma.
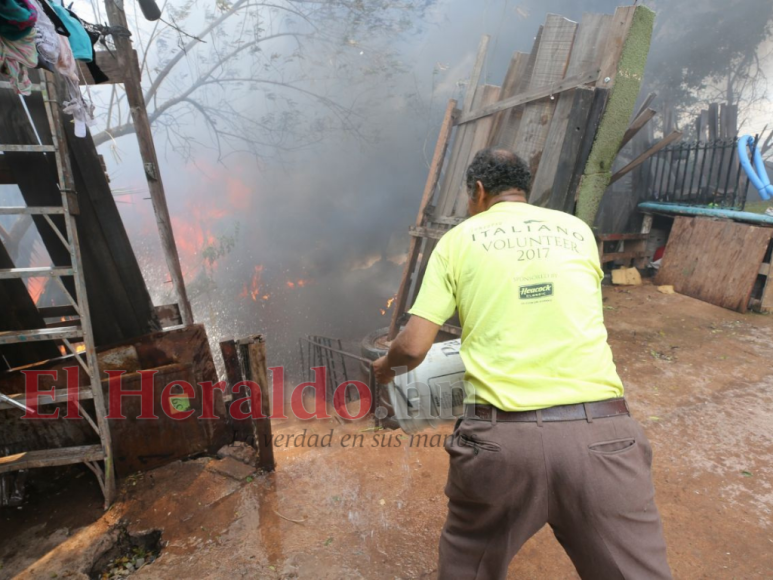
x: 433, y: 176
x: 645, y: 105
x: 665, y: 142
x: 243, y: 430
x: 638, y: 123
x: 257, y: 371
x: 426, y: 232
x: 108, y: 62
x: 128, y: 62
x: 622, y: 71
x: 532, y: 95
x: 477, y: 71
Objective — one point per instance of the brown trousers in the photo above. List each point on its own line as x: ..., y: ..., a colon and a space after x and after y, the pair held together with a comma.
x: 590, y: 481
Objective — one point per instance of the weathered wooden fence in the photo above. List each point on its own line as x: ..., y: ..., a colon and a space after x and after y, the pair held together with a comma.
x: 564, y: 108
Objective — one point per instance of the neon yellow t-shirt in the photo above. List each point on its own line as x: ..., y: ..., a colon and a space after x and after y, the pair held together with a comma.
x: 527, y: 283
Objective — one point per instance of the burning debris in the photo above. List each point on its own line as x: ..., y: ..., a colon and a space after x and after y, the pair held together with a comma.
x: 389, y: 303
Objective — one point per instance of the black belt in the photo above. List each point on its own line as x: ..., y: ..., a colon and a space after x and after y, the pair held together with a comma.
x: 578, y: 412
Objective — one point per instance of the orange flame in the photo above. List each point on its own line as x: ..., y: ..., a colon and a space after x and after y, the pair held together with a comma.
x: 254, y: 290
x: 36, y: 287
x: 79, y: 348
x: 389, y: 303
x: 297, y: 283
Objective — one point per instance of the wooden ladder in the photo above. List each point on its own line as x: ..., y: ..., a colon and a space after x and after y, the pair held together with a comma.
x: 90, y: 455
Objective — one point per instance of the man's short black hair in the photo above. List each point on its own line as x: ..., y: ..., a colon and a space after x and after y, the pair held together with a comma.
x: 498, y: 170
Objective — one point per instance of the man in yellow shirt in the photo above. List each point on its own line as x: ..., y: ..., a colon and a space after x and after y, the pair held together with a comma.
x: 546, y: 437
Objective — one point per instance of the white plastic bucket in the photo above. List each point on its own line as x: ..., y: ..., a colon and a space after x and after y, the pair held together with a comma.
x: 432, y: 392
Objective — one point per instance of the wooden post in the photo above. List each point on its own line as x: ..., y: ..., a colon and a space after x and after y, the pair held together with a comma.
x: 621, y: 71
x: 415, y: 244
x: 254, y: 358
x: 133, y: 85
x: 243, y: 430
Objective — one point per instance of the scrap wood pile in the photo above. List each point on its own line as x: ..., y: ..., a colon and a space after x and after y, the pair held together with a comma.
x: 564, y: 108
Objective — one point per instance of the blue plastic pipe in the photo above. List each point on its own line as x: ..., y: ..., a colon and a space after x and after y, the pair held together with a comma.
x: 759, y: 178
x: 675, y: 208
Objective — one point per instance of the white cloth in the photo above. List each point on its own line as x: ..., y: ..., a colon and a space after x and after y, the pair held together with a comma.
x: 82, y: 111
x: 46, y: 37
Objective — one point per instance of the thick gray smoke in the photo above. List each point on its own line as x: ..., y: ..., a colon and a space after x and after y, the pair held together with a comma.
x: 321, y: 232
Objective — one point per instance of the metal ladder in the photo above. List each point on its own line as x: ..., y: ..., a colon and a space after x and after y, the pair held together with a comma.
x: 90, y: 455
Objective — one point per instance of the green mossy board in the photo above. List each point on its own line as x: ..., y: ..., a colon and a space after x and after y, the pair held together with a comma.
x: 622, y: 98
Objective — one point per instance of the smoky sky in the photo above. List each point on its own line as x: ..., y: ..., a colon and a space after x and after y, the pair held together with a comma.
x: 322, y: 230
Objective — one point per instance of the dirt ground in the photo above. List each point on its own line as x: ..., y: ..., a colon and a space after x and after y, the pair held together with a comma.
x: 697, y: 377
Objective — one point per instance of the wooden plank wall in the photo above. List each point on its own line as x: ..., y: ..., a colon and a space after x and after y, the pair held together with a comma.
x: 586, y: 53
x: 480, y: 136
x: 716, y: 261
x: 506, y: 130
x: 550, y: 66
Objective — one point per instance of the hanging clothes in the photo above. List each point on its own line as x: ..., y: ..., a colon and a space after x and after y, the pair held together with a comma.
x: 82, y: 111
x: 65, y: 64
x: 16, y: 56
x: 54, y: 18
x: 46, y: 37
x: 94, y: 35
x: 96, y: 73
x: 80, y: 43
x: 17, y: 18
